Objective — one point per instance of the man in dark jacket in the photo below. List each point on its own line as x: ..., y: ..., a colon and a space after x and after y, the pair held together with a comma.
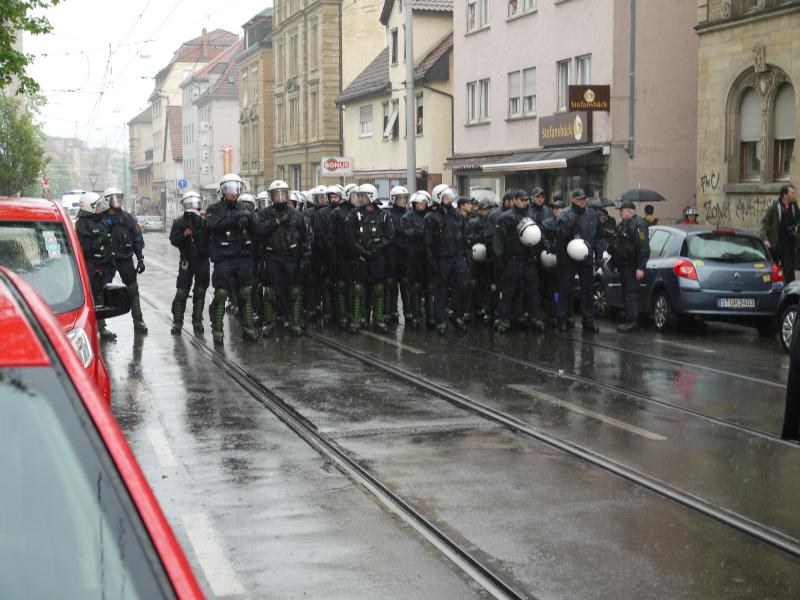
x: 630, y: 250
x: 341, y: 252
x: 396, y: 279
x: 577, y: 223
x: 127, y: 241
x: 495, y: 266
x: 412, y: 226
x: 779, y: 230
x: 190, y: 236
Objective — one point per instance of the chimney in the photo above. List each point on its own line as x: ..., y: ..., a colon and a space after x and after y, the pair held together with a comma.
x: 205, y: 43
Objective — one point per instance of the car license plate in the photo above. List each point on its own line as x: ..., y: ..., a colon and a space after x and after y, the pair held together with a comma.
x: 736, y: 302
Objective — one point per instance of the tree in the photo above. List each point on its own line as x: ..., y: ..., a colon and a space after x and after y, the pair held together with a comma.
x: 22, y: 157
x: 16, y: 17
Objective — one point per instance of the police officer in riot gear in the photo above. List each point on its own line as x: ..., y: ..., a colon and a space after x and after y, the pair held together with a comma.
x: 190, y: 236
x: 127, y: 241
x: 342, y: 254
x: 445, y: 245
x: 231, y: 229
x: 476, y: 248
x: 580, y: 225
x: 369, y: 231
x: 630, y: 250
x: 495, y: 267
x: 95, y: 239
x: 396, y: 278
x: 412, y: 227
x: 287, y: 255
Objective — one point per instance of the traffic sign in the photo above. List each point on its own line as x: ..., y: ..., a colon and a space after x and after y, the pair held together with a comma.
x: 182, y: 184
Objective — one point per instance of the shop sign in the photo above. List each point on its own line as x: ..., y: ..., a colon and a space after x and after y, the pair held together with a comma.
x: 565, y: 128
x: 590, y: 97
x: 336, y: 166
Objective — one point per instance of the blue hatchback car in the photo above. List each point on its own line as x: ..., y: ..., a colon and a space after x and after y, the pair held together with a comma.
x: 698, y: 271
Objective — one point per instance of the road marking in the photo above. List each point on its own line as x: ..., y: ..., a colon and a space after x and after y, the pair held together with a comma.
x: 392, y: 342
x: 158, y: 440
x: 685, y: 346
x: 218, y: 571
x: 531, y: 391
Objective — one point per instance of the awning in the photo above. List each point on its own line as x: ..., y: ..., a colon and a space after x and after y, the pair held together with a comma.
x: 386, y: 174
x: 471, y: 163
x: 538, y: 160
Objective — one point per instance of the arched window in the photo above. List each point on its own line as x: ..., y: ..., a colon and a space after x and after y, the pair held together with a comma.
x: 784, y: 132
x: 750, y: 146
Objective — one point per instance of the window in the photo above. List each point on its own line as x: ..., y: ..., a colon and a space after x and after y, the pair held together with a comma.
x: 513, y: 7
x: 294, y: 120
x: 245, y: 143
x: 244, y: 89
x: 279, y: 68
x: 313, y: 45
x: 420, y: 115
x: 295, y: 177
x: 583, y: 66
x: 256, y: 142
x: 658, y: 241
x: 391, y: 127
x: 279, y: 123
x: 293, y: 59
x: 529, y: 92
x: 750, y: 146
x: 564, y: 69
x: 313, y: 114
x: 528, y: 5
x: 784, y: 132
x: 472, y: 102
x: 518, y: 7
x: 254, y: 76
x: 386, y: 115
x: 394, y: 46
x: 365, y: 121
x: 484, y: 99
x: 472, y: 15
x: 514, y: 94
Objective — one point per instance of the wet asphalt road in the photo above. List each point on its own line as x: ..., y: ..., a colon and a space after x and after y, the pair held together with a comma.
x: 261, y: 514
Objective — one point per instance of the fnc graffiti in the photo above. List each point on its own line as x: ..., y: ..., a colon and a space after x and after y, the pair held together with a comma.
x: 709, y: 182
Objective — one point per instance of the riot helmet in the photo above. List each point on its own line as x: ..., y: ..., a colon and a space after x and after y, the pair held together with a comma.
x: 279, y: 192
x: 191, y: 202
x: 113, y: 196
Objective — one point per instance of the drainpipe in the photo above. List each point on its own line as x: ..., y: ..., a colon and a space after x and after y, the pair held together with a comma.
x: 632, y: 82
x: 411, y: 130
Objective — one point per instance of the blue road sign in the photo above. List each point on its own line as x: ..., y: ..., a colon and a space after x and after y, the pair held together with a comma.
x: 181, y: 184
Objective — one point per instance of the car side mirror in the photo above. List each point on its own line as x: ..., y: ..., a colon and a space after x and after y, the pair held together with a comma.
x: 116, y: 301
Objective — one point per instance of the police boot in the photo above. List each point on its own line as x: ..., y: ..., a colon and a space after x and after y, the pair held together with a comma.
x: 295, y: 308
x: 390, y: 301
x: 341, y: 305
x: 327, y: 300
x: 136, y: 309
x: 258, y: 298
x: 178, y: 308
x: 105, y: 333
x: 268, y: 312
x: 218, y: 315
x: 198, y: 302
x: 503, y: 325
x: 536, y: 325
x: 460, y: 323
x: 404, y: 298
x: 357, y: 302
x: 441, y: 328
x: 378, y: 308
x: 246, y: 309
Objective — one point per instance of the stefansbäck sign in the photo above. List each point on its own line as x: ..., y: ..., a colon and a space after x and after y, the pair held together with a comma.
x: 565, y: 128
x: 590, y: 97
x: 336, y: 166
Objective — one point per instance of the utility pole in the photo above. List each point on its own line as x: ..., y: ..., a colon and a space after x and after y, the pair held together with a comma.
x: 411, y: 128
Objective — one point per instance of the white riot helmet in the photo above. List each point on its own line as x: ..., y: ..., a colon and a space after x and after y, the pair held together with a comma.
x: 349, y: 190
x: 88, y: 201
x: 249, y: 200
x: 113, y: 196
x: 578, y: 250
x: 397, y: 190
x: 336, y: 190
x: 442, y: 191
x: 318, y: 196
x: 370, y: 192
x: 263, y: 199
x: 298, y: 198
x: 191, y: 202
x: 548, y: 259
x: 529, y: 232
x: 279, y: 191
x: 231, y: 184
x: 478, y: 252
x: 421, y: 197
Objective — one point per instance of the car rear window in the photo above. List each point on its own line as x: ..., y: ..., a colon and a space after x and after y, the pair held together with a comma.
x: 68, y: 528
x: 41, y: 254
x: 726, y: 247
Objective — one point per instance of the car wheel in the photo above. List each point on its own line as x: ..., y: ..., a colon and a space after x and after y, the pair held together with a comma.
x: 600, y: 301
x: 664, y: 316
x: 786, y: 325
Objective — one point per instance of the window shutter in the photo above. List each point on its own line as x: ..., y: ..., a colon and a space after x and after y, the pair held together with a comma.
x: 784, y: 114
x: 530, y: 82
x: 750, y: 115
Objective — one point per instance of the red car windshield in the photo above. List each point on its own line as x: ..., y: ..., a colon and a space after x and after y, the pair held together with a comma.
x: 68, y: 528
x: 40, y: 253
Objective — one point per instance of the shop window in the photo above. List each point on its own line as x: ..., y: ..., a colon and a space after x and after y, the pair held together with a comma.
x: 750, y: 146
x: 784, y: 132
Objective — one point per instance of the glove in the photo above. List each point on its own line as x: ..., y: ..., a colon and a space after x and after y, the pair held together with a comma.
x: 244, y: 222
x: 140, y: 265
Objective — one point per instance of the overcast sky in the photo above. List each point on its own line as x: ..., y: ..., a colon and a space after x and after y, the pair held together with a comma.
x: 72, y: 64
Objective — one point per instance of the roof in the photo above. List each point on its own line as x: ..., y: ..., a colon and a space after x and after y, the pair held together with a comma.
x: 146, y: 116
x: 267, y: 12
x: 421, y: 5
x: 174, y: 124
x: 223, y: 58
x: 436, y: 66
x: 213, y: 43
x: 225, y: 86
x: 28, y: 209
x: 372, y: 81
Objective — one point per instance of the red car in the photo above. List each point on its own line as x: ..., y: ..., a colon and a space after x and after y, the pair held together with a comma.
x: 78, y: 518
x: 39, y: 243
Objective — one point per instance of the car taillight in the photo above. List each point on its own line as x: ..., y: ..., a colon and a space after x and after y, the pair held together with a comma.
x: 80, y: 342
x: 684, y: 268
x: 777, y: 273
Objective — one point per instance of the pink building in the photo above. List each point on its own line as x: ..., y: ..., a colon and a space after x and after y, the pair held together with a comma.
x: 514, y: 62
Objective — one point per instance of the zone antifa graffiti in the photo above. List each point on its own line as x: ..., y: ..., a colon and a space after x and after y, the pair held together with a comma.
x: 747, y: 212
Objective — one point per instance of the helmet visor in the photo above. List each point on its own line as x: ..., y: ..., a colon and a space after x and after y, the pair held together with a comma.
x: 279, y: 196
x: 114, y: 200
x: 191, y: 203
x: 100, y: 206
x: 401, y: 200
x: 231, y: 187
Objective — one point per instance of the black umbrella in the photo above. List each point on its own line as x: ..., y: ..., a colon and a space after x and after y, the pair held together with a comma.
x: 600, y: 203
x: 641, y: 195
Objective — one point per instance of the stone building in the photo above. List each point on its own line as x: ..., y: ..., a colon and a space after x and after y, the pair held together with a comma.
x: 749, y: 67
x: 140, y: 138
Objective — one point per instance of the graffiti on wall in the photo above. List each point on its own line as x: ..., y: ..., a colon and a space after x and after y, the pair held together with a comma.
x: 709, y: 182
x: 742, y: 212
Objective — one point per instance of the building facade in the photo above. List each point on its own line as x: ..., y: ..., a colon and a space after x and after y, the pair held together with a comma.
x: 255, y: 117
x: 140, y: 139
x: 505, y: 100
x: 374, y: 104
x: 749, y: 65
x: 308, y: 76
x: 172, y: 159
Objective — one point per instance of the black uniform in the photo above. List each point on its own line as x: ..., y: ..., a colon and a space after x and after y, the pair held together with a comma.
x: 495, y: 267
x: 445, y: 246
x: 630, y: 250
x: 287, y: 242
x: 396, y: 279
x: 341, y: 259
x: 369, y: 232
x: 412, y: 227
x: 127, y: 241
x: 193, y: 266
x: 479, y: 280
x: 323, y: 257
x: 95, y: 239
x: 231, y: 229
x: 577, y: 222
